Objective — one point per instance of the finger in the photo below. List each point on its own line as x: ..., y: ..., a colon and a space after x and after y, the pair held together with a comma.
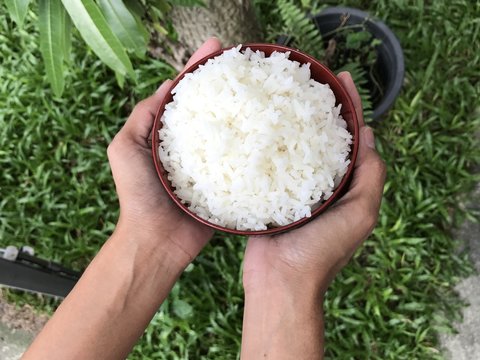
x: 347, y: 81
x: 357, y: 211
x: 369, y: 175
x: 208, y: 47
x: 140, y: 122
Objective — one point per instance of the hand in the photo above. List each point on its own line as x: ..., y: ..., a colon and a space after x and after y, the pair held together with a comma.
x: 146, y: 211
x: 308, y: 258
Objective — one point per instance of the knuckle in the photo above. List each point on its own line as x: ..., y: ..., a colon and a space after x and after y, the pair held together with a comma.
x: 383, y: 168
x: 341, y: 255
x: 368, y: 218
x: 140, y: 106
x: 113, y: 147
x: 378, y: 165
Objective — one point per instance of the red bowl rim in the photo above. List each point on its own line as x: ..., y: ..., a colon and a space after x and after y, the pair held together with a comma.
x: 275, y: 230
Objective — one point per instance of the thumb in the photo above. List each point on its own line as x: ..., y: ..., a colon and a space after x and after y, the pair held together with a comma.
x: 369, y: 175
x: 140, y: 122
x: 367, y: 146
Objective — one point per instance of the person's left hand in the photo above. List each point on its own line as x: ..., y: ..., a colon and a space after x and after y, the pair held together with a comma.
x: 146, y: 211
x: 310, y: 256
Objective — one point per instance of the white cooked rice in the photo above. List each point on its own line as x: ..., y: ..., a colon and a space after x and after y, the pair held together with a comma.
x: 251, y: 141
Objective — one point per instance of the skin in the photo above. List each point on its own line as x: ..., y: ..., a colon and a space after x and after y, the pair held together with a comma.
x: 285, y: 277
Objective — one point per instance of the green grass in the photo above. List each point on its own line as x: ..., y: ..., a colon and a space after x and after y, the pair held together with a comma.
x: 56, y: 192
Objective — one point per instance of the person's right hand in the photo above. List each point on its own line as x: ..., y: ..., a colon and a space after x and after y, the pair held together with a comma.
x: 285, y: 276
x: 146, y: 211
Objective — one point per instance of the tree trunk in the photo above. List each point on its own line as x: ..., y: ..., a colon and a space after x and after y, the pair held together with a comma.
x: 232, y: 21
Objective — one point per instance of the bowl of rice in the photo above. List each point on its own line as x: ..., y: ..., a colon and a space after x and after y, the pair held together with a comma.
x: 255, y: 139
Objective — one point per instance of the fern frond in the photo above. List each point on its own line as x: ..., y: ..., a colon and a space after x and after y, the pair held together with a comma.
x: 302, y: 29
x: 307, y: 37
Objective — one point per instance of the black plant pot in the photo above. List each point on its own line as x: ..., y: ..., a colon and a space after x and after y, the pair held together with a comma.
x: 390, y: 64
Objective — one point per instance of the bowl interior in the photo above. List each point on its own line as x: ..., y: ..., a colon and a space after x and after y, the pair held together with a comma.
x: 319, y: 73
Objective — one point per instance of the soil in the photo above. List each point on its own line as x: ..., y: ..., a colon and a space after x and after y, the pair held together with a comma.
x: 21, y: 318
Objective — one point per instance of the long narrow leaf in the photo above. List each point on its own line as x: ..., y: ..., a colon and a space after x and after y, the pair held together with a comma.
x: 93, y: 27
x: 138, y: 11
x: 66, y: 34
x: 17, y: 9
x: 135, y: 7
x: 120, y: 79
x: 51, y: 42
x: 123, y: 24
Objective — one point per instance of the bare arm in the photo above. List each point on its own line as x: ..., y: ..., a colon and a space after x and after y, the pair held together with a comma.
x: 282, y: 323
x: 113, y: 302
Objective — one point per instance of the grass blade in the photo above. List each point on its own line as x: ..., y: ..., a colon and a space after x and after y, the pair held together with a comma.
x: 51, y: 42
x: 120, y: 79
x: 124, y: 26
x: 96, y: 32
x: 17, y: 9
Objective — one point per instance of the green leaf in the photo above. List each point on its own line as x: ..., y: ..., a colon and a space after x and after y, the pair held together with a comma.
x: 138, y: 11
x: 135, y: 7
x: 160, y: 29
x: 182, y: 309
x: 162, y: 5
x: 93, y: 27
x: 66, y: 34
x: 188, y: 3
x: 120, y: 79
x: 123, y: 24
x: 357, y: 38
x: 306, y: 35
x: 430, y: 68
x: 17, y: 9
x: 51, y: 42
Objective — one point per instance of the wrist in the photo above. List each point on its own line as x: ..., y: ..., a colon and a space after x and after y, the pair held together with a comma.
x: 285, y: 281
x: 306, y: 295
x: 282, y: 324
x: 154, y: 242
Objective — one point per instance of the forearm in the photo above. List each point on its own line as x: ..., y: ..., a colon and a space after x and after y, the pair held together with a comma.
x: 113, y: 302
x: 280, y: 324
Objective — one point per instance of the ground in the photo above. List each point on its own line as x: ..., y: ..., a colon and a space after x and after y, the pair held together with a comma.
x: 466, y: 344
x: 18, y: 326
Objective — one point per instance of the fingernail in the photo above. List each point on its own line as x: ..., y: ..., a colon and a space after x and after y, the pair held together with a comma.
x: 368, y: 137
x: 166, y: 83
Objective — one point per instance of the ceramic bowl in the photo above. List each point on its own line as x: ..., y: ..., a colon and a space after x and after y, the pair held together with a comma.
x: 320, y: 73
